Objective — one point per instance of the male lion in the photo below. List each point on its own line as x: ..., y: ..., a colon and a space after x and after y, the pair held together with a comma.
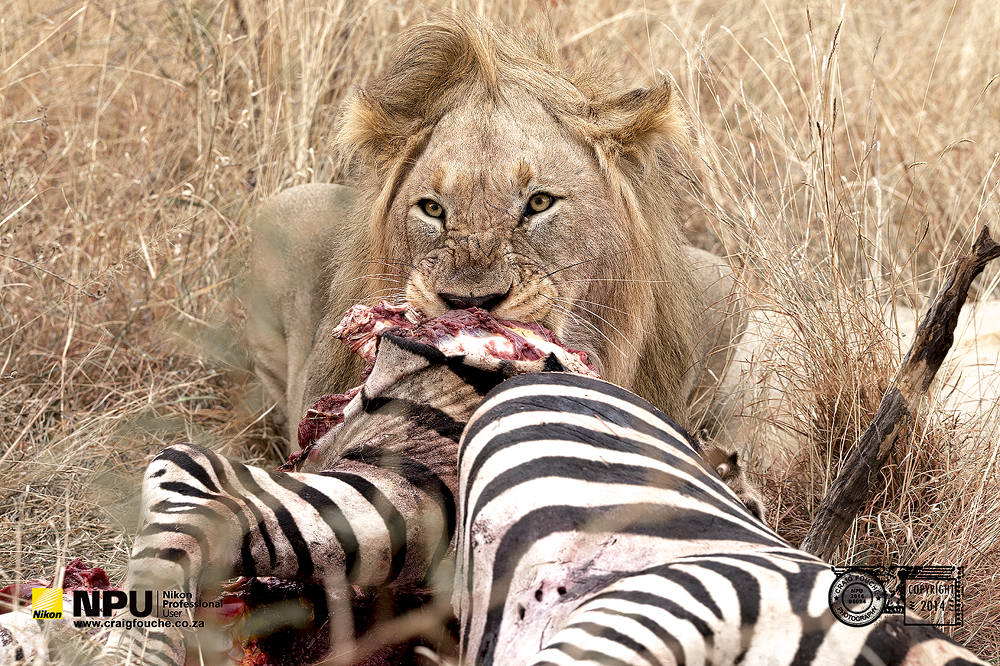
x: 487, y: 176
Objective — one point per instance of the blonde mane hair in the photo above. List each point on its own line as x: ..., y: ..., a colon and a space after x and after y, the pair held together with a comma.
x: 441, y: 65
x: 637, y: 138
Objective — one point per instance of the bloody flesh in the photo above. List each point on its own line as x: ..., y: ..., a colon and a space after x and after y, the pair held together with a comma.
x: 473, y: 333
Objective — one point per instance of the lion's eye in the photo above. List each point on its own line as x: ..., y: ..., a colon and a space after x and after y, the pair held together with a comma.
x: 431, y: 208
x: 539, y: 202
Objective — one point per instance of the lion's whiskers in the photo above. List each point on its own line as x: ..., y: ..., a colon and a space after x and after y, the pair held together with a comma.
x: 571, y: 301
x: 616, y: 329
x: 577, y: 318
x: 589, y: 324
x: 622, y: 280
x: 587, y: 261
x: 376, y: 296
x: 393, y: 263
x: 388, y: 277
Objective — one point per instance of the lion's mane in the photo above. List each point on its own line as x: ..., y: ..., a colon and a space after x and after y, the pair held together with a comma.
x: 635, y: 137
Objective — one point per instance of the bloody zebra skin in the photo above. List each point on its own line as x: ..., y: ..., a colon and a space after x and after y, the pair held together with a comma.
x: 377, y: 510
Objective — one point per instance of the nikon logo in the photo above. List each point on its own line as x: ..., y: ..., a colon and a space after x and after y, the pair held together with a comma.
x: 47, y: 603
x: 99, y: 603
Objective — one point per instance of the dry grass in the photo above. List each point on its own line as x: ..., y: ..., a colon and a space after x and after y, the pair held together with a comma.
x: 845, y: 155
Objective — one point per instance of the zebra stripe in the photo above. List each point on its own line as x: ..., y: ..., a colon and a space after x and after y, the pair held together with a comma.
x: 589, y: 529
x: 379, y: 508
x: 591, y: 532
x: 209, y: 519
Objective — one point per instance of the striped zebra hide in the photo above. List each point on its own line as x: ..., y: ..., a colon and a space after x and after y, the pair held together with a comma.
x: 591, y: 533
x: 584, y: 527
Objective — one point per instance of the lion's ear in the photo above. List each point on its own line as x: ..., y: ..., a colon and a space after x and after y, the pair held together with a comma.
x: 371, y: 130
x: 636, y: 125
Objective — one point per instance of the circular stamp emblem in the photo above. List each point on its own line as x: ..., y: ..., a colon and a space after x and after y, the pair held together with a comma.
x: 857, y: 598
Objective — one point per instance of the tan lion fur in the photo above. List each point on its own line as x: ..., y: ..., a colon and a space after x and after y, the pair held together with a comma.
x: 478, y: 120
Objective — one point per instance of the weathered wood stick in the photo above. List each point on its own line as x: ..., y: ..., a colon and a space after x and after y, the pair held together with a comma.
x: 934, y: 338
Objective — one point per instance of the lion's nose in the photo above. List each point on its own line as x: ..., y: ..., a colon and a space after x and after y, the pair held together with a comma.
x: 462, y: 301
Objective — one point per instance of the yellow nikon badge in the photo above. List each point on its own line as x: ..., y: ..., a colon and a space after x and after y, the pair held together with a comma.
x: 47, y: 603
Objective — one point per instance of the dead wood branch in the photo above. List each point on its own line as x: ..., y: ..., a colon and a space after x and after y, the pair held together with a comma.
x: 934, y: 338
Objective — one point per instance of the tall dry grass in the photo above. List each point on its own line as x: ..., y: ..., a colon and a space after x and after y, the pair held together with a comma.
x: 845, y: 154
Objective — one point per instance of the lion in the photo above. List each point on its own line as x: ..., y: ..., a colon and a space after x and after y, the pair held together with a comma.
x: 485, y: 175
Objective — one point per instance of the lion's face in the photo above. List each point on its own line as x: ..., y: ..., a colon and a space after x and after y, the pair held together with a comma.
x: 507, y: 213
x: 494, y: 179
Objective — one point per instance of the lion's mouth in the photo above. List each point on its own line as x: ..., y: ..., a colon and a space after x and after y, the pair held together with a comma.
x: 520, y: 295
x: 474, y: 334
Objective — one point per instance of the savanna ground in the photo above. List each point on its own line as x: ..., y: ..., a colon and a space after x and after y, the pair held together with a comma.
x: 846, y: 153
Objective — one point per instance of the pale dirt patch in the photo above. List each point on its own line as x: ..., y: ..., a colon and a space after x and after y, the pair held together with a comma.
x: 969, y: 379
x: 771, y: 358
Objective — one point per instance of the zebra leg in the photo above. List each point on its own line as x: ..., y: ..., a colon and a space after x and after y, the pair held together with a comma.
x: 762, y: 607
x: 206, y: 519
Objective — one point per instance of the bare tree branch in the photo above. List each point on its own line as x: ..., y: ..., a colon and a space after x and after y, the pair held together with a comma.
x: 934, y: 339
